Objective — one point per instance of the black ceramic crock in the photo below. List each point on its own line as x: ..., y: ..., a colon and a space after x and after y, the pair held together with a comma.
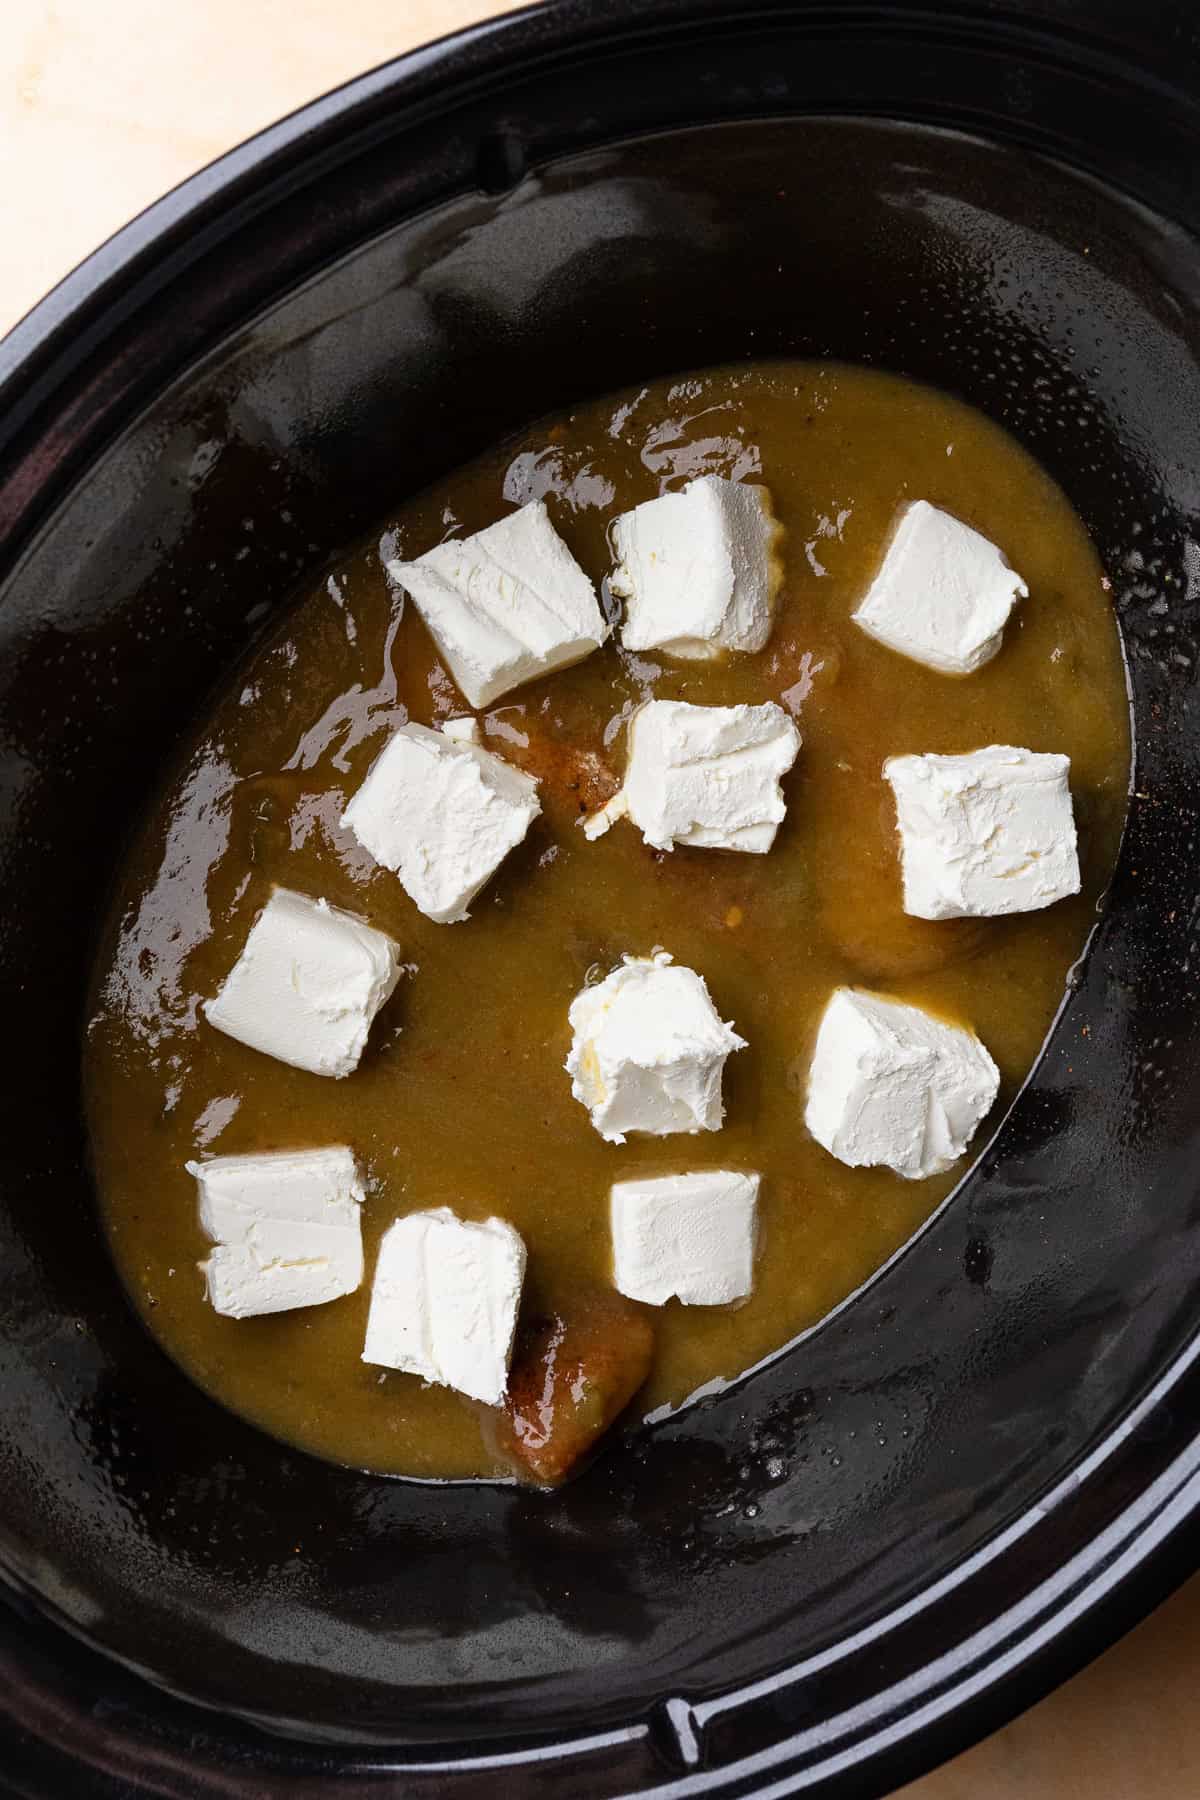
x: 962, y: 1484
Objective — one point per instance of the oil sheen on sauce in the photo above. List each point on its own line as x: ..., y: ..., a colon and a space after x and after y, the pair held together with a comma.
x: 461, y: 1099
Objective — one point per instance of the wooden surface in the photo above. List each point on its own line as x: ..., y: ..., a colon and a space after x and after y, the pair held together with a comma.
x: 104, y: 104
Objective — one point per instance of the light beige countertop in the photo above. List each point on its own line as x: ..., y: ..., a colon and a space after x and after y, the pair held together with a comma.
x: 104, y: 104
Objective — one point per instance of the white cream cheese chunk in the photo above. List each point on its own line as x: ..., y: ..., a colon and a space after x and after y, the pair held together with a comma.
x: 890, y: 1084
x: 943, y: 595
x: 987, y: 833
x: 689, y: 1237
x: 463, y: 731
x: 442, y: 813
x: 698, y: 569
x: 707, y: 776
x: 286, y: 1226
x: 506, y: 605
x: 648, y: 1050
x: 307, y: 986
x: 597, y: 823
x: 444, y: 1302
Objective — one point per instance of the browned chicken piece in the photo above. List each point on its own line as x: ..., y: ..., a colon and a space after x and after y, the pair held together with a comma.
x: 572, y: 780
x: 895, y: 948
x: 862, y: 914
x: 572, y: 1376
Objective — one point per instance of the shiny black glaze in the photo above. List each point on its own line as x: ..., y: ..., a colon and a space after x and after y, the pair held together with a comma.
x: 1008, y: 1411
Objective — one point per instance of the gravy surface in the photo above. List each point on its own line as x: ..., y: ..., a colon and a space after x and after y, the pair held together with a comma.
x: 461, y: 1099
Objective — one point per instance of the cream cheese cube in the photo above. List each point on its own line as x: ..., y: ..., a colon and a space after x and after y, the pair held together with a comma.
x: 444, y: 1302
x: 983, y: 834
x: 706, y: 776
x: 442, y: 813
x: 890, y: 1084
x: 688, y: 1237
x: 307, y: 986
x: 648, y: 1051
x: 597, y: 823
x: 943, y: 595
x: 286, y: 1226
x: 506, y: 605
x: 463, y: 731
x: 698, y: 569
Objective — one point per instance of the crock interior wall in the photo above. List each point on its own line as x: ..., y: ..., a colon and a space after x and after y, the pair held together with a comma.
x: 974, y: 1371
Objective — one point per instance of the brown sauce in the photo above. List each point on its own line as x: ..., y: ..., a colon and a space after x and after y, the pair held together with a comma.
x: 461, y: 1098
